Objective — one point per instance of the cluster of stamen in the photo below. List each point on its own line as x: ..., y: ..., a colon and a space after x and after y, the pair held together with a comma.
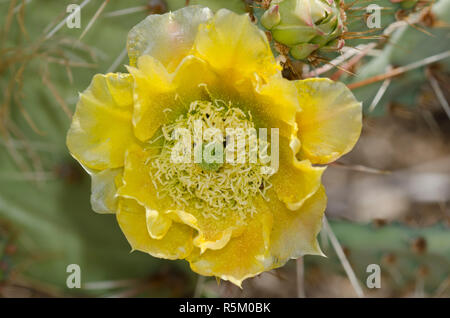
x: 216, y: 188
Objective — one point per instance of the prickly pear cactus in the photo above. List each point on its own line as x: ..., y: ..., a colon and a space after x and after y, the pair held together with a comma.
x: 52, y: 225
x: 306, y: 26
x: 406, y: 45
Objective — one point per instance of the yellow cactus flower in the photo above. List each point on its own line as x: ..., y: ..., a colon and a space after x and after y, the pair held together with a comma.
x: 228, y: 219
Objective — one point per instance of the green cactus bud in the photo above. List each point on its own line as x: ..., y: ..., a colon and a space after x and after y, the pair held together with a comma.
x: 302, y: 51
x: 305, y: 26
x: 271, y: 17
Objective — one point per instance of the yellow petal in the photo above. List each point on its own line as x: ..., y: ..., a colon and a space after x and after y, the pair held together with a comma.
x: 219, y: 242
x: 295, y: 233
x: 295, y: 181
x: 103, y: 190
x: 101, y: 128
x: 276, y: 104
x: 167, y: 37
x: 234, y: 46
x: 330, y: 122
x: 157, y: 224
x: 176, y: 243
x: 193, y: 77
x: 212, y: 233
x: 241, y: 258
x: 153, y: 92
x: 137, y: 183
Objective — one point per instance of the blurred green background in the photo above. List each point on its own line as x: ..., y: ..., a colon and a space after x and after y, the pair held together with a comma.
x: 46, y: 222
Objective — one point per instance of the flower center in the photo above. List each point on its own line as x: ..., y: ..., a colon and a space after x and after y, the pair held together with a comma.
x: 209, y: 160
